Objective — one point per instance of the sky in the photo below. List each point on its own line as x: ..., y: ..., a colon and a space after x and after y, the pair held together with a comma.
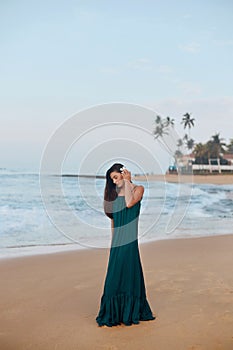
x: 61, y: 57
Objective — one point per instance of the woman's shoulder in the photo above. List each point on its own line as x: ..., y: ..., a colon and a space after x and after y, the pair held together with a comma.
x: 138, y: 188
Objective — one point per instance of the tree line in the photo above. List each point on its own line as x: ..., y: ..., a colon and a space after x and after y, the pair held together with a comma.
x: 214, y: 148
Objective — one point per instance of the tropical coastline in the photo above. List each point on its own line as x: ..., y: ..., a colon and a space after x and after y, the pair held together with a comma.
x: 86, y: 84
x: 27, y: 228
x: 50, y: 301
x: 217, y: 179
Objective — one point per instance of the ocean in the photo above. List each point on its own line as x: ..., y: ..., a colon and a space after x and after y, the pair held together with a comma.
x: 53, y: 213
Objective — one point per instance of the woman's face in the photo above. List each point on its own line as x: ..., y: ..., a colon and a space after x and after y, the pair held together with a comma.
x: 117, y: 179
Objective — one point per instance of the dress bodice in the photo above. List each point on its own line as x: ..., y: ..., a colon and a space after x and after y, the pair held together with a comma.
x: 125, y: 221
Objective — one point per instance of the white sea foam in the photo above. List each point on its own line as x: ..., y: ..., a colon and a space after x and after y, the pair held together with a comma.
x: 26, y: 228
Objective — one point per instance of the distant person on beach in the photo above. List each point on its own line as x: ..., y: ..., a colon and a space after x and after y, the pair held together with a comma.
x: 124, y: 296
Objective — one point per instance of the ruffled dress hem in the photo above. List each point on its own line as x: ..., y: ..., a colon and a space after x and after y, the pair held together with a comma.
x: 122, y: 308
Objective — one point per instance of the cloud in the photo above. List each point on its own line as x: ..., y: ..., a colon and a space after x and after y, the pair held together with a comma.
x: 187, y: 16
x: 87, y: 15
x: 192, y: 48
x: 140, y: 64
x: 165, y: 69
x: 143, y: 64
x: 222, y: 42
x: 190, y: 88
x: 109, y: 70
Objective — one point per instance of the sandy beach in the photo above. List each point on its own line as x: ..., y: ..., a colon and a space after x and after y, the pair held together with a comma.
x: 50, y: 301
x: 216, y: 179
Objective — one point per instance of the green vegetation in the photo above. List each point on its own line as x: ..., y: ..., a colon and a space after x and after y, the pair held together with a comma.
x: 215, y: 148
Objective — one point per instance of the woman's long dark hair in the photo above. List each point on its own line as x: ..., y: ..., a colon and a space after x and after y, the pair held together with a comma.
x: 110, y: 193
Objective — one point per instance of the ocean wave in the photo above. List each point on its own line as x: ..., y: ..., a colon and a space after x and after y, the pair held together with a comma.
x: 207, y: 209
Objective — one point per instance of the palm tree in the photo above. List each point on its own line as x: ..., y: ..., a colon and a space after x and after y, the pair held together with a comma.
x: 230, y: 146
x: 190, y: 144
x: 201, y: 153
x: 199, y: 150
x: 185, y: 138
x: 170, y: 122
x: 161, y: 130
x: 158, y: 119
x: 187, y: 121
x: 179, y: 143
x: 160, y: 127
x: 212, y: 149
x: 216, y: 146
x: 178, y: 154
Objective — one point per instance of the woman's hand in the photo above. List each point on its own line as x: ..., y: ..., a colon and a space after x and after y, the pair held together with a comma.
x: 126, y: 174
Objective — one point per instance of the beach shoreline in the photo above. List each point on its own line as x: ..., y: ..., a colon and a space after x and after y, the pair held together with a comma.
x: 215, y: 179
x: 50, y: 301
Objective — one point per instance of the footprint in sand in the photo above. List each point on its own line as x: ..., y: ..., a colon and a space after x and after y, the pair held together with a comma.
x: 82, y: 286
x: 227, y: 316
x: 196, y: 347
x: 110, y: 347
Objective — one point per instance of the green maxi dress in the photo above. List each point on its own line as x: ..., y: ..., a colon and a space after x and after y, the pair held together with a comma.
x: 124, y: 297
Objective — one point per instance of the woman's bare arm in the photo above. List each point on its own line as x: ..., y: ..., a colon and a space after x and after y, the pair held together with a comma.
x: 112, y: 227
x: 133, y: 194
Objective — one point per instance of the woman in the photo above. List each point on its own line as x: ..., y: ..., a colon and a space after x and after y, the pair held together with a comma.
x: 124, y: 297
